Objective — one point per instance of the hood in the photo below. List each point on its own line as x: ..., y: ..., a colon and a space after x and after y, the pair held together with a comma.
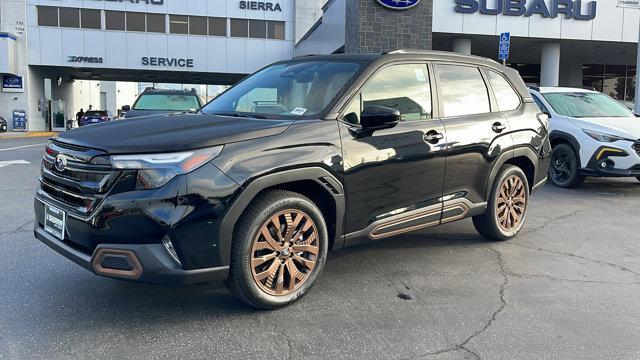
x: 624, y: 127
x: 138, y: 113
x: 170, y: 133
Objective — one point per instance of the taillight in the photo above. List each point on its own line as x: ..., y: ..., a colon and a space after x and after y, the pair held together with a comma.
x: 105, y: 118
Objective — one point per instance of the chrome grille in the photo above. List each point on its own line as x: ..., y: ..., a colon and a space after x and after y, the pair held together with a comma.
x: 82, y: 184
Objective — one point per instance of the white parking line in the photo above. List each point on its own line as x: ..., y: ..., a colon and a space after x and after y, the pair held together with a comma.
x: 22, y: 147
x: 13, y: 162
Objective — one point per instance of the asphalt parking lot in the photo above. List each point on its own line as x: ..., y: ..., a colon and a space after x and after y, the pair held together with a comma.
x: 567, y: 288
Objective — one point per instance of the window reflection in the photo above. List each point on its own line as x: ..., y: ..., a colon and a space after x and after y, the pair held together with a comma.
x: 463, y: 90
x: 402, y: 87
x: 505, y: 95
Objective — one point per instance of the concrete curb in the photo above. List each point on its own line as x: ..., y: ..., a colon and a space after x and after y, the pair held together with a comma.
x: 21, y: 135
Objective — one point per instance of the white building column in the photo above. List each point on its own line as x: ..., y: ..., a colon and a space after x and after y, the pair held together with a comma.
x: 550, y: 65
x: 462, y: 46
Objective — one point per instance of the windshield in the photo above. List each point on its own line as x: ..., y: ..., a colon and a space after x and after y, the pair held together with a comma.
x: 291, y: 89
x: 167, y: 102
x: 583, y: 105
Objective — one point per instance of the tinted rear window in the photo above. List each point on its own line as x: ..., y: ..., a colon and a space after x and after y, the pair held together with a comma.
x: 95, y: 113
x: 172, y: 102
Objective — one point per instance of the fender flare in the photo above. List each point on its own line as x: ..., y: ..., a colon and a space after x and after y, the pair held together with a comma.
x: 524, y: 151
x: 321, y: 176
x: 557, y: 134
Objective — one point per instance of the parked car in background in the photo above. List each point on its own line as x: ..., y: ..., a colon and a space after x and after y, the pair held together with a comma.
x: 591, y: 134
x: 306, y: 155
x: 94, y: 117
x: 3, y: 124
x: 156, y: 102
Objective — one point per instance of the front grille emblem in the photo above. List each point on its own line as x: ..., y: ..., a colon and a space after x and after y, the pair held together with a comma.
x: 60, y: 162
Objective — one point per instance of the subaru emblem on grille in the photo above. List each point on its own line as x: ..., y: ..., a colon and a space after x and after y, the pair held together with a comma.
x: 60, y: 163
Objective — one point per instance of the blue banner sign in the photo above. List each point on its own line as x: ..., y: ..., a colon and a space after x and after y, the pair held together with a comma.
x: 19, y: 120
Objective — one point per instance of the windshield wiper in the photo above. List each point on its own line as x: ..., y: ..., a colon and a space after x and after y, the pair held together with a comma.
x: 241, y: 115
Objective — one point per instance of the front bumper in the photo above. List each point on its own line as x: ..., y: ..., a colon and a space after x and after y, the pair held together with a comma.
x: 623, y: 158
x: 150, y: 262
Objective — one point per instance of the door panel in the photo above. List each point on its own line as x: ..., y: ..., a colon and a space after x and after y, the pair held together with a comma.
x: 472, y: 148
x: 475, y: 135
x: 393, y: 171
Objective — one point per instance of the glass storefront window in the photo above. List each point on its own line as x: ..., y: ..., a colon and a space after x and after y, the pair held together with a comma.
x: 631, y: 84
x: 239, y: 28
x: 47, y: 16
x: 156, y: 23
x: 217, y: 26
x: 258, y: 29
x: 197, y: 25
x: 114, y: 20
x: 178, y: 24
x: 69, y: 18
x: 275, y: 30
x: 91, y: 19
x: 136, y: 22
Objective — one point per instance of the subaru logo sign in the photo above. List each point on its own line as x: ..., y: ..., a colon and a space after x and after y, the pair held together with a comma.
x: 60, y: 163
x: 398, y: 4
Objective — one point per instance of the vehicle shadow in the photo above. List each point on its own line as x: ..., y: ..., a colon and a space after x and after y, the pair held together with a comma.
x: 106, y: 303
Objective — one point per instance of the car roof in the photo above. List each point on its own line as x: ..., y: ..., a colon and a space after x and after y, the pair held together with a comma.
x: 426, y: 54
x: 548, y: 90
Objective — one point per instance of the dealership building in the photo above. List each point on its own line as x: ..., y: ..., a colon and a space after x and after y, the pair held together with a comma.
x: 57, y: 56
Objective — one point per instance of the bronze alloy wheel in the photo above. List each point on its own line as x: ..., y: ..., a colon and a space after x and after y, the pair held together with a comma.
x: 284, y: 252
x: 512, y: 203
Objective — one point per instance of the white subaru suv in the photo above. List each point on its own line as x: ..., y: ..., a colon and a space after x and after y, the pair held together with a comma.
x: 591, y: 134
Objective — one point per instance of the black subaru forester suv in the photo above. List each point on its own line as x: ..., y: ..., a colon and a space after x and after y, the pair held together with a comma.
x: 305, y: 156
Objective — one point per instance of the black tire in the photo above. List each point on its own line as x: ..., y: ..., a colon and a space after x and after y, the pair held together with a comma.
x: 564, y: 167
x: 241, y: 280
x: 489, y: 224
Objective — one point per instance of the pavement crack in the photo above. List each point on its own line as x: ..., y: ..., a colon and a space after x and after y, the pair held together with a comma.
x: 554, y: 220
x: 560, y: 279
x: 614, y: 265
x: 463, y: 346
x: 19, y: 229
x: 280, y: 336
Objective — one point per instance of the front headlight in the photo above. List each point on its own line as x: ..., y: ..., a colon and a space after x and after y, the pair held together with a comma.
x: 155, y: 170
x: 603, y: 137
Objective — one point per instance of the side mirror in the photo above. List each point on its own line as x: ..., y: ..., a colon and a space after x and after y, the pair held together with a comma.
x: 544, y: 118
x: 126, y: 108
x: 379, y: 117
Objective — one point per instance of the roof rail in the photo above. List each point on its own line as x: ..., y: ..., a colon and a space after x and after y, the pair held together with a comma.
x: 450, y: 53
x: 303, y: 56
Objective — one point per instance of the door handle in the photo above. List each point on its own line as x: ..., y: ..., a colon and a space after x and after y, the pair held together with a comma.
x: 433, y: 137
x: 498, y: 127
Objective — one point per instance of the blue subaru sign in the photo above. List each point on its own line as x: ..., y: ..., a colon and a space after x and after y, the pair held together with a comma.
x: 505, y: 45
x: 12, y: 84
x: 398, y: 4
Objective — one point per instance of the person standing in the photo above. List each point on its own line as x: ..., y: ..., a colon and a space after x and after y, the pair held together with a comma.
x: 79, y: 116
